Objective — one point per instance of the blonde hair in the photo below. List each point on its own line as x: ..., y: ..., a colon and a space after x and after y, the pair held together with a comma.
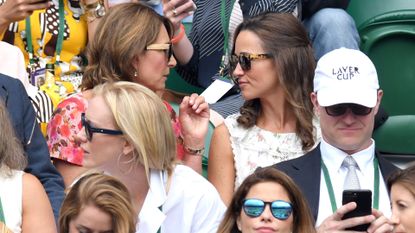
x: 106, y: 193
x: 143, y: 118
x: 11, y: 150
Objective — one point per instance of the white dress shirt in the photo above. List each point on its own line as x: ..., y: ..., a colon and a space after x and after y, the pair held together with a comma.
x: 333, y: 159
x: 191, y: 204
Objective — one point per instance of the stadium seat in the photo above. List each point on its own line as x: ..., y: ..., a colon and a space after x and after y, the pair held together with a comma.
x: 387, y: 32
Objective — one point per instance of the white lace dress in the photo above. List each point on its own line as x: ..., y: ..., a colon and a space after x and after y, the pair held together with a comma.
x: 256, y: 147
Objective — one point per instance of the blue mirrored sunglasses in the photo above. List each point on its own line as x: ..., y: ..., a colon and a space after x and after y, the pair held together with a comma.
x: 279, y: 209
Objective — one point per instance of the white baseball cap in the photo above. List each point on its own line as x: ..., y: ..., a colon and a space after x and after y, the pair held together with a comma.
x: 346, y: 76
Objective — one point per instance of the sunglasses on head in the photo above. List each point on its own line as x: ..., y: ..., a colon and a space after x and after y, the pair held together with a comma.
x: 340, y: 109
x: 162, y: 47
x: 89, y: 130
x: 280, y: 209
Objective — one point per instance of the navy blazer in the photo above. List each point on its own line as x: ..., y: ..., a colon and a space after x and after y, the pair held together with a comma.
x: 306, y: 172
x: 27, y: 130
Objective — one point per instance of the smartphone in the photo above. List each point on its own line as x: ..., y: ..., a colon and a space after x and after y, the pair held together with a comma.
x: 363, y: 199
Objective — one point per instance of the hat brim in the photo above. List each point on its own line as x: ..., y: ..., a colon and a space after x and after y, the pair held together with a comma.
x: 356, y: 95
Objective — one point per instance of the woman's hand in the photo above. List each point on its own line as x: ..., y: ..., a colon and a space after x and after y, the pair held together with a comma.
x: 194, y: 120
x: 177, y: 10
x: 16, y: 10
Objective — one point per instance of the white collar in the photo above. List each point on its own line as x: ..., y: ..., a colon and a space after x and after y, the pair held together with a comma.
x: 363, y: 158
x: 151, y: 217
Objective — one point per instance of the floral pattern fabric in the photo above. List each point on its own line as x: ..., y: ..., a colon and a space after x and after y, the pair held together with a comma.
x: 66, y: 122
x: 256, y: 147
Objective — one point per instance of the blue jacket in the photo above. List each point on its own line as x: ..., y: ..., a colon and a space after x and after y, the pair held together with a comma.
x: 27, y: 130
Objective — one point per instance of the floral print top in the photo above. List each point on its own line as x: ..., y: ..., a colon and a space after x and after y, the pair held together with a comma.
x: 256, y: 147
x: 66, y: 122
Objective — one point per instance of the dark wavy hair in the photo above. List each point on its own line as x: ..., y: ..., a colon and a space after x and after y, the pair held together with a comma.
x: 302, y: 219
x: 284, y: 37
x: 123, y: 33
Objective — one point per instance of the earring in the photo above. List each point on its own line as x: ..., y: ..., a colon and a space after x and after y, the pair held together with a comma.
x: 135, y: 74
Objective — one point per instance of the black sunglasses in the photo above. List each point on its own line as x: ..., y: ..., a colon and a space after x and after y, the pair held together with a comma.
x: 89, y: 130
x: 340, y: 109
x: 167, y: 48
x: 280, y: 209
x: 244, y: 59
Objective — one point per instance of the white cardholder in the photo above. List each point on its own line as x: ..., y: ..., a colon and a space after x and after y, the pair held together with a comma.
x: 216, y: 90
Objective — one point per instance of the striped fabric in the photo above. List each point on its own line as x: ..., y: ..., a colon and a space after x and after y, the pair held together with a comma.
x: 43, y: 106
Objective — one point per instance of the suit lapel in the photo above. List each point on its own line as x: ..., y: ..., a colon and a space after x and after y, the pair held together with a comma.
x: 307, y: 176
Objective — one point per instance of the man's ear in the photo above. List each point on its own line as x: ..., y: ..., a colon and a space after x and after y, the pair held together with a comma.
x: 379, y: 99
x: 313, y: 97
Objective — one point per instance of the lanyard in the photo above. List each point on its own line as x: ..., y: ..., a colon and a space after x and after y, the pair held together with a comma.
x: 2, y: 218
x: 225, y: 18
x: 330, y: 186
x: 60, y: 35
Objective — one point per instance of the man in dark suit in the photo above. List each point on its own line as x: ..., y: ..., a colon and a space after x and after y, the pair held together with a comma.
x: 346, y: 98
x: 27, y: 130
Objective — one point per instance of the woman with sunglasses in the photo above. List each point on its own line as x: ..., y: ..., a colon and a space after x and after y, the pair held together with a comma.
x: 267, y: 201
x: 132, y: 43
x: 132, y: 139
x: 273, y: 64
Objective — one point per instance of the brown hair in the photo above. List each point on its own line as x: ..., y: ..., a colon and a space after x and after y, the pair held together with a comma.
x: 105, y: 192
x: 405, y: 178
x: 284, y: 37
x: 121, y: 35
x: 303, y: 220
x: 11, y: 150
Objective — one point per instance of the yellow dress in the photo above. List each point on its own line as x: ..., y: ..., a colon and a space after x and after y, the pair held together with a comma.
x: 44, y: 33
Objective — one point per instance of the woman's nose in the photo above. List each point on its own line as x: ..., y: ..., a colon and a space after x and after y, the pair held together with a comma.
x: 172, y: 62
x: 266, y: 214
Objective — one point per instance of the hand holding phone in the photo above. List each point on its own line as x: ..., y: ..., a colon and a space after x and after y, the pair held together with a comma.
x: 363, y: 200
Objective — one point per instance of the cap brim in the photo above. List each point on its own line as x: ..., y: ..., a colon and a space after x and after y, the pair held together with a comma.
x: 362, y: 96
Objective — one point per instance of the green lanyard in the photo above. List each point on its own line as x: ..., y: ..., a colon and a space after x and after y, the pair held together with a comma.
x: 60, y: 35
x: 330, y: 186
x: 225, y: 18
x: 2, y: 218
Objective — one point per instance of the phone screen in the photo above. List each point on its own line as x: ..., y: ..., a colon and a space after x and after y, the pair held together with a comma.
x: 363, y: 199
